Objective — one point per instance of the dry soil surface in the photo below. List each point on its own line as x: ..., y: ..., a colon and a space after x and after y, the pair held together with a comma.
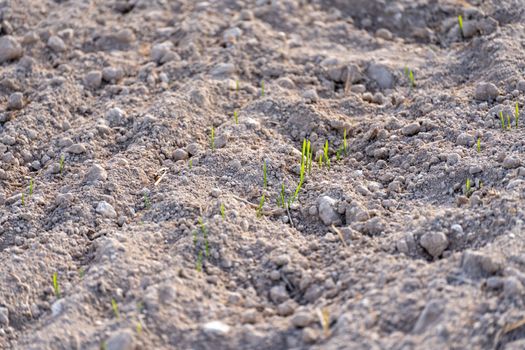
x: 135, y: 211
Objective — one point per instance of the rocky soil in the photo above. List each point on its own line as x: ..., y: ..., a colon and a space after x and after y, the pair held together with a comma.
x: 133, y: 137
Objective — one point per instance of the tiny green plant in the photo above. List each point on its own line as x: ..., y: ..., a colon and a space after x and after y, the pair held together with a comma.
x: 260, y: 207
x: 236, y: 117
x: 56, y: 287
x: 468, y: 187
x: 23, y: 201
x: 190, y: 163
x: 103, y: 345
x: 262, y: 88
x: 223, y: 211
x: 114, y: 307
x: 309, y: 155
x: 509, y: 125
x: 199, y: 262
x: 147, y: 203
x: 502, y: 119
x: 478, y: 144
x: 412, y: 79
x: 320, y: 161
x: 517, y: 114
x: 212, y: 139
x: 139, y: 328
x: 325, y: 153
x: 81, y: 273
x: 460, y: 22
x: 237, y: 85
x: 345, y: 143
x: 31, y: 186
x: 265, y: 175
x: 61, y: 164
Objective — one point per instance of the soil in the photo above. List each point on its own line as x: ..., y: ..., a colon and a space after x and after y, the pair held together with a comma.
x: 135, y: 211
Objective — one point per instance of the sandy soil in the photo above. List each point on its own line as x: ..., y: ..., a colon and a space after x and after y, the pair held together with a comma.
x: 150, y: 152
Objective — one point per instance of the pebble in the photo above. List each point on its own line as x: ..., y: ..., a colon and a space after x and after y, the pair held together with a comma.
x: 249, y: 316
x: 511, y: 162
x: 179, y: 154
x: 381, y: 75
x: 411, y: 129
x: 513, y: 288
x: 311, y: 96
x: 232, y: 35
x: 77, y: 148
x: 10, y: 49
x: 106, y: 210
x: 470, y: 28
x: 161, y: 53
x: 465, y: 139
x: 328, y: 210
x: 287, y: 308
x: 521, y: 85
x: 434, y: 243
x: 301, y: 319
x: 430, y: 314
x: 93, y: 79
x: 4, y: 316
x: 281, y: 260
x: 384, y: 34
x: 223, y: 70
x: 15, y: 101
x: 121, y: 340
x: 453, y: 158
x: 374, y: 226
x: 112, y: 74
x: 216, y: 327
x: 486, y: 91
x: 477, y: 265
x: 310, y: 335
x: 278, y: 294
x: 115, y: 116
x: 95, y: 174
x: 56, y: 44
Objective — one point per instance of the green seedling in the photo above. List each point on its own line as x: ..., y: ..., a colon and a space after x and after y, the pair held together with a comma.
x: 212, y: 139
x: 147, y: 203
x: 236, y: 117
x: 338, y: 153
x: 309, y: 154
x: 460, y: 22
x: 190, y: 163
x: 509, y: 125
x: 81, y: 273
x: 517, y: 114
x: 320, y: 162
x: 199, y: 262
x: 468, y: 187
x: 265, y: 175
x: 223, y: 211
x: 103, y: 345
x: 237, y: 85
x: 56, y: 287
x: 478, y: 144
x: 31, y: 186
x: 114, y: 306
x: 345, y: 143
x: 282, y: 195
x: 412, y: 79
x: 262, y: 88
x: 23, y: 201
x: 325, y: 152
x: 502, y: 119
x: 260, y: 207
x: 61, y: 163
x: 139, y: 328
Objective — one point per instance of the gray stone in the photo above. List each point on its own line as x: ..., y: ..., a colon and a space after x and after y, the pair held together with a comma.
x: 121, y: 340
x: 486, y: 91
x: 115, y: 116
x: 521, y: 85
x: 287, y: 308
x: 453, y: 158
x: 384, y: 34
x: 328, y: 210
x: 216, y: 327
x: 477, y: 265
x: 381, y: 75
x: 278, y: 294
x: 106, y: 210
x: 465, y: 139
x: 4, y: 316
x: 159, y: 51
x: 10, y: 49
x: 112, y: 74
x: 411, y: 129
x: 56, y: 44
x: 434, y: 243
x: 511, y: 162
x: 429, y: 316
x: 301, y: 319
x: 93, y: 79
x: 310, y: 95
x: 223, y: 70
x: 512, y: 288
x: 15, y: 101
x: 194, y: 149
x: 232, y: 35
x: 77, y: 148
x: 374, y: 226
x: 470, y: 28
x: 95, y: 174
x: 179, y: 154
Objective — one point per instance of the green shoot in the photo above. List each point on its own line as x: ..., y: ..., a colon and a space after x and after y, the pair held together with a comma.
x: 262, y: 88
x: 81, y: 273
x: 139, y: 328
x: 309, y: 155
x: 103, y: 345
x: 468, y: 187
x: 325, y: 152
x: 508, y: 122
x: 61, y: 163
x: 199, y: 262
x: 265, y: 175
x: 23, y: 201
x: 406, y: 71
x: 478, y: 144
x: 236, y: 117
x: 237, y: 85
x: 281, y: 197
x: 31, y: 186
x: 460, y: 21
x: 190, y: 163
x: 320, y: 161
x: 114, y: 306
x: 212, y: 139
x: 223, y: 211
x: 502, y: 119
x: 345, y: 143
x: 147, y: 203
x: 56, y: 287
x: 412, y: 79
x: 338, y: 153
x: 260, y: 207
x: 517, y: 114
